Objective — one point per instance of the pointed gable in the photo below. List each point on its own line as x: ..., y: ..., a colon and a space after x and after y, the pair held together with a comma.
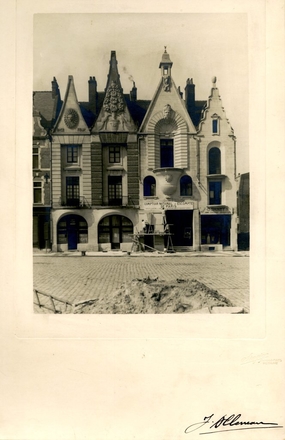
x: 167, y: 94
x: 167, y: 117
x: 214, y: 120
x: 114, y: 115
x: 70, y: 119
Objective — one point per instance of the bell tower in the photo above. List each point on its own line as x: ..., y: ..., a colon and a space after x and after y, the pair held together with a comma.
x: 165, y: 64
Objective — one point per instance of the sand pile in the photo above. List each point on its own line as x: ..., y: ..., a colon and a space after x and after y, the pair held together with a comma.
x: 156, y: 296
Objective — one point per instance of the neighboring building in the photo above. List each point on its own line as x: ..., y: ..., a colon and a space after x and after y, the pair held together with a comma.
x: 46, y: 107
x: 162, y: 171
x: 243, y: 212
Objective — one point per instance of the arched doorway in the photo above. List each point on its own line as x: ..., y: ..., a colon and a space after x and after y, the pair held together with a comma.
x: 115, y: 229
x: 71, y: 230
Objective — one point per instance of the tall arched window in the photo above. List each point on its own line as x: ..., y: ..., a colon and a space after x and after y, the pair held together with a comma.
x: 149, y: 186
x: 186, y: 186
x: 214, y: 161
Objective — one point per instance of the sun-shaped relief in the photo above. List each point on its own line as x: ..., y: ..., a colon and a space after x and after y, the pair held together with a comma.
x: 71, y: 118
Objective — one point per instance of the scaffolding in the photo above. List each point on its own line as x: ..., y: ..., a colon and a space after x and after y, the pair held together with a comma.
x: 148, y: 231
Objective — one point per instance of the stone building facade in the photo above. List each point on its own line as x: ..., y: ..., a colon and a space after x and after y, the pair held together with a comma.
x: 121, y: 170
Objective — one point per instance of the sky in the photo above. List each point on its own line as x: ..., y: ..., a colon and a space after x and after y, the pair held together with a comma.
x: 200, y: 46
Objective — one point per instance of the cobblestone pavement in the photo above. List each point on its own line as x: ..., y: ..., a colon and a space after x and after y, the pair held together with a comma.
x: 75, y: 279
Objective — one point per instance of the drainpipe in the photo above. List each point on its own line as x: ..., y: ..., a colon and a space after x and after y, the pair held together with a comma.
x: 51, y: 198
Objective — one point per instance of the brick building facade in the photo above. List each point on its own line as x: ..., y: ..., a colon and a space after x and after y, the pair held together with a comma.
x: 117, y: 167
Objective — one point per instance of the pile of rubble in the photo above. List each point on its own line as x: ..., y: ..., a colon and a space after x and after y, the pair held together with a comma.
x: 157, y: 296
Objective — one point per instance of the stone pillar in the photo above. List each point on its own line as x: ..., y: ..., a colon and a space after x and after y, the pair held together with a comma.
x: 196, y: 230
x: 234, y: 244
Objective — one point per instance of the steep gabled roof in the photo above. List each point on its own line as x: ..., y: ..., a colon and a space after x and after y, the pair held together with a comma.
x: 47, y: 106
x: 174, y: 99
x: 71, y: 117
x: 137, y: 109
x: 214, y: 107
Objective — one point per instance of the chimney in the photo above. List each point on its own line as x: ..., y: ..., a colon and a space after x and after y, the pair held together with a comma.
x: 54, y: 88
x: 92, y: 94
x: 133, y: 93
x: 190, y: 95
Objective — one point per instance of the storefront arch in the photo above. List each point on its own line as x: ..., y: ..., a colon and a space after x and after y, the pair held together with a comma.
x: 114, y: 230
x: 72, y: 229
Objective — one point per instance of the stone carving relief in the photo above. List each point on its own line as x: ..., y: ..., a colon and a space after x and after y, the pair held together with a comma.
x: 167, y: 111
x: 113, y: 102
x: 166, y: 83
x: 114, y: 116
x: 38, y: 128
x: 168, y: 178
x: 71, y: 118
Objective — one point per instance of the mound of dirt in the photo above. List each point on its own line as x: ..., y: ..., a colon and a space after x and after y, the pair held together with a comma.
x: 156, y: 296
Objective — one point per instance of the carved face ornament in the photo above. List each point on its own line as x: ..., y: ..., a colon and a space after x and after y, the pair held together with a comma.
x: 71, y: 118
x: 167, y: 111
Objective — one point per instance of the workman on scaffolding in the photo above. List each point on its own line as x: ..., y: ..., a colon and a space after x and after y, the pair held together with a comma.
x: 145, y: 226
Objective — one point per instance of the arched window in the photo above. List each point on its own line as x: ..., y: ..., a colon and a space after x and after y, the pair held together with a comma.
x: 149, y: 186
x: 71, y: 230
x: 186, y: 186
x: 115, y: 229
x: 214, y: 161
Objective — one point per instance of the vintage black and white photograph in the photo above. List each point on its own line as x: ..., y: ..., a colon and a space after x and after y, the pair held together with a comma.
x: 140, y: 163
x: 148, y: 215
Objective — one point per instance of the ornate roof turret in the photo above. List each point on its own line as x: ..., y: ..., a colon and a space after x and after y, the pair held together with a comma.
x: 165, y: 64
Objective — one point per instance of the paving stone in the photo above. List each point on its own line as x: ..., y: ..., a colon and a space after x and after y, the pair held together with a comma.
x: 83, y: 278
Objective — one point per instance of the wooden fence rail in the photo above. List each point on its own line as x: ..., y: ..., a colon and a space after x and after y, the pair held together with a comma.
x: 52, y: 301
